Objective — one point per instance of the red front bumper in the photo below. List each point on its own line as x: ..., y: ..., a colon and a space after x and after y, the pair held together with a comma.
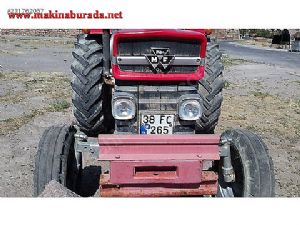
x: 156, y: 165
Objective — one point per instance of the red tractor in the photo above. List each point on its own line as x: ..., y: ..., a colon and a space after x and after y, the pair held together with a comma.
x: 146, y: 104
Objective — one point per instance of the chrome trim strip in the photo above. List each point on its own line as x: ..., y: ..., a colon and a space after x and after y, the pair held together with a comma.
x: 141, y: 60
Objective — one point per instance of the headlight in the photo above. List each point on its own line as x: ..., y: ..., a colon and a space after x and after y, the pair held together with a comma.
x: 190, y: 110
x: 123, y: 108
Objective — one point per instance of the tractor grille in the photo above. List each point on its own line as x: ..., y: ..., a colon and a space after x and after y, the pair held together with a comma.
x: 142, y: 47
x: 156, y: 100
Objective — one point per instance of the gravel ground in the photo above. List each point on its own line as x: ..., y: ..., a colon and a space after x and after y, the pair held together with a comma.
x: 55, y: 189
x: 260, y: 97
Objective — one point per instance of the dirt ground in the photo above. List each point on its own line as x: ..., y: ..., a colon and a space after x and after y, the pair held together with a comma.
x: 266, y: 100
x: 263, y: 98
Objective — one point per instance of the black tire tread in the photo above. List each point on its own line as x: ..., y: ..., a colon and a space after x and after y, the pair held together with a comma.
x: 87, y: 84
x: 51, y: 161
x: 210, y: 89
x: 259, y: 180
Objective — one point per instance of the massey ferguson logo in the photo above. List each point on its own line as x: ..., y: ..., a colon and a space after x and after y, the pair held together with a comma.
x: 160, y: 60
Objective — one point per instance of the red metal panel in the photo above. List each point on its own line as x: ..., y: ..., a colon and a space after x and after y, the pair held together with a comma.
x: 206, y: 189
x: 203, y: 139
x: 158, y: 165
x: 167, y: 156
x: 158, y: 147
x: 96, y: 31
x: 123, y: 75
x: 155, y: 172
x: 208, y: 186
x: 167, y: 33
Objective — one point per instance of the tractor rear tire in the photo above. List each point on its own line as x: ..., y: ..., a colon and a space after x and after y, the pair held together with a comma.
x: 210, y: 89
x: 55, y: 159
x: 91, y: 96
x: 253, y: 167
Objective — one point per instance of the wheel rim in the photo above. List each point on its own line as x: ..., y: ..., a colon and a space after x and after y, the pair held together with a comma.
x: 236, y: 188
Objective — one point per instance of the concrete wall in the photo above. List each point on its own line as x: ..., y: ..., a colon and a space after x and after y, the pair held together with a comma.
x: 41, y: 32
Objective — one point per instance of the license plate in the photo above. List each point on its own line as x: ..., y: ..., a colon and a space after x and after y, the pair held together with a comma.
x: 157, y: 124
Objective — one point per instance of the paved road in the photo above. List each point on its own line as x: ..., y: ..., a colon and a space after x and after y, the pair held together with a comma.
x: 42, y: 54
x: 38, y: 60
x: 262, y: 55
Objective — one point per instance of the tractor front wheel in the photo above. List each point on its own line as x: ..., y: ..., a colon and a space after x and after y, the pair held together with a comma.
x: 252, y: 165
x: 55, y: 159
